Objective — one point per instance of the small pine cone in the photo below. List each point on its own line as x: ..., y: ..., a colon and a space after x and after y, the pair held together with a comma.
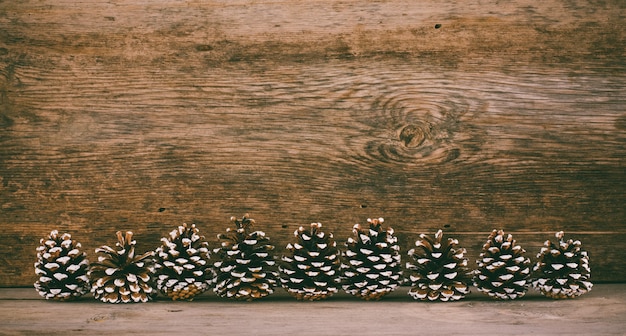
x: 182, y: 264
x: 438, y: 271
x: 562, y: 270
x: 121, y: 277
x: 373, y: 266
x: 245, y: 266
x: 503, y: 270
x: 310, y: 267
x: 61, y: 267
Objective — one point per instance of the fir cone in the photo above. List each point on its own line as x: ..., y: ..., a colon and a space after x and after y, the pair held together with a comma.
x: 438, y: 271
x: 61, y: 267
x: 562, y: 270
x: 245, y: 266
x: 120, y: 276
x: 373, y: 266
x: 503, y: 270
x: 182, y: 264
x: 310, y: 267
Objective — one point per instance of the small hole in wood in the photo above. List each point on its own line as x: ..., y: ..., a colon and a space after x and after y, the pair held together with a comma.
x: 446, y: 226
x: 284, y: 226
x: 161, y: 209
x: 204, y: 47
x: 363, y: 206
x: 438, y: 25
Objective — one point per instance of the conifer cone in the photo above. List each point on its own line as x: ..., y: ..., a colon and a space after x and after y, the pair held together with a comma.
x: 245, y: 266
x: 503, y: 271
x: 182, y: 264
x: 562, y: 270
x: 120, y: 276
x: 61, y: 267
x: 310, y: 267
x: 438, y: 271
x: 373, y: 266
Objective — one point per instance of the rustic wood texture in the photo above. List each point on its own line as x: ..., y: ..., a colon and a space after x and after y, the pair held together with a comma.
x: 142, y: 115
x: 600, y: 312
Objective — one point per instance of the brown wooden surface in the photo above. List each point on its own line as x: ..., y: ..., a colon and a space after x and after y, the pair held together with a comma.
x: 599, y: 312
x: 142, y: 115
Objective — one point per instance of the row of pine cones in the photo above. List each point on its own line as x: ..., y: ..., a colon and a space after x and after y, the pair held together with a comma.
x: 312, y: 268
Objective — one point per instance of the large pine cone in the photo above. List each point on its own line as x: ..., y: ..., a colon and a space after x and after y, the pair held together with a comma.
x: 310, y: 267
x: 61, y: 267
x: 182, y: 264
x: 438, y: 271
x: 503, y: 270
x: 245, y: 266
x: 562, y: 270
x: 373, y: 266
x: 120, y: 276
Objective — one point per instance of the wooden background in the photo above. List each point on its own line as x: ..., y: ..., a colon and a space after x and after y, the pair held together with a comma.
x: 144, y: 114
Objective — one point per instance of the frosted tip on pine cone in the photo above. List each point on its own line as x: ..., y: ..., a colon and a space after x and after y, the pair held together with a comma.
x: 182, y: 264
x: 119, y: 276
x: 61, y: 267
x: 310, y: 266
x: 503, y: 270
x: 245, y: 266
x: 438, y: 270
x: 562, y: 270
x: 372, y: 261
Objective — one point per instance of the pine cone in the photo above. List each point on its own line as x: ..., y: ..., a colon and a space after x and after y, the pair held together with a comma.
x: 373, y: 262
x: 503, y: 270
x: 121, y: 277
x: 245, y: 266
x: 562, y: 270
x: 310, y: 268
x: 61, y: 267
x: 182, y: 264
x: 438, y: 271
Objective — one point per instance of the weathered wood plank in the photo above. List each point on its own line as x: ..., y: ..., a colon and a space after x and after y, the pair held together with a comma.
x: 600, y: 312
x: 143, y: 115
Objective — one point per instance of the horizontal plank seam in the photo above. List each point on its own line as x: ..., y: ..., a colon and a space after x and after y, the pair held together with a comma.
x: 567, y: 233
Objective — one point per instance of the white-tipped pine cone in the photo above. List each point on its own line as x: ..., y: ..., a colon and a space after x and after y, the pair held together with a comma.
x: 372, y: 266
x: 562, y: 270
x: 182, y: 264
x: 438, y: 271
x: 503, y: 271
x: 62, y: 268
x: 245, y: 266
x: 310, y: 267
x: 120, y: 276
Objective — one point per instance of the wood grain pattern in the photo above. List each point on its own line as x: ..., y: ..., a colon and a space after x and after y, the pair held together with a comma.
x: 600, y: 312
x: 141, y: 115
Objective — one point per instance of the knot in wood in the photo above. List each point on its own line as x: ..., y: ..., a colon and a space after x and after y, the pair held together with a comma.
x: 412, y: 135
